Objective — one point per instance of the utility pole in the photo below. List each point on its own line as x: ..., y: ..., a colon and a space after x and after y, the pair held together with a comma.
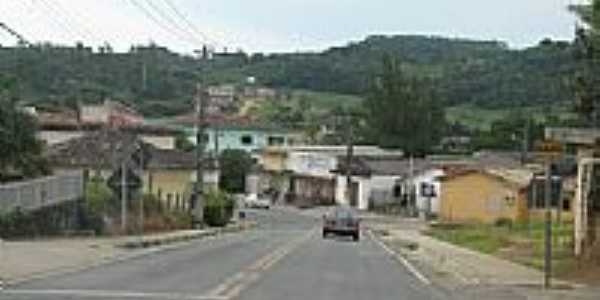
x: 548, y: 227
x: 525, y: 145
x: 197, y: 202
x: 349, y: 159
x: 142, y: 193
x: 124, y: 196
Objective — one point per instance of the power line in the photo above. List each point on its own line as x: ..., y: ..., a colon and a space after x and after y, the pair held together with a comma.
x: 63, y: 23
x: 190, y: 25
x: 87, y: 31
x: 27, y: 9
x: 153, y: 18
x: 173, y: 22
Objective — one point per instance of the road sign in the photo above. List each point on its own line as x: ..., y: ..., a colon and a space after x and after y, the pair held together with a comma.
x: 548, y: 150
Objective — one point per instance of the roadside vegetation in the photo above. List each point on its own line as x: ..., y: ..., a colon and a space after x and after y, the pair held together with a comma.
x: 522, y: 243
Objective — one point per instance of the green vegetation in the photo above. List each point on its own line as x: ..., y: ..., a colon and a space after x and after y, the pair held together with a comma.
x: 521, y: 243
x: 218, y: 208
x: 402, y: 111
x: 483, y: 73
x: 20, y: 150
x: 234, y: 164
x: 587, y: 54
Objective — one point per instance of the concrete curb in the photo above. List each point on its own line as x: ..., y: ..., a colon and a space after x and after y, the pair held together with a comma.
x: 151, y: 247
x: 154, y: 241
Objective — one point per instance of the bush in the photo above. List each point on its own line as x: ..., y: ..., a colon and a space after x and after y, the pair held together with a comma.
x: 218, y: 208
x: 504, y: 222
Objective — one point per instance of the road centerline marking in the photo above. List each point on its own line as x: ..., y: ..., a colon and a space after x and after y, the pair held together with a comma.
x: 233, y: 286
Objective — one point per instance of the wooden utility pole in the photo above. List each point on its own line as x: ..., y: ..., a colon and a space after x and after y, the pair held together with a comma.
x: 124, y: 196
x: 349, y: 159
x: 197, y: 207
x: 548, y: 227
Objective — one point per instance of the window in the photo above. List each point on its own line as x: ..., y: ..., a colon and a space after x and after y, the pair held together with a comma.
x: 247, y: 140
x: 276, y: 140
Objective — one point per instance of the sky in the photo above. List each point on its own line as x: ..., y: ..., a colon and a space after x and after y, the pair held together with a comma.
x: 280, y: 25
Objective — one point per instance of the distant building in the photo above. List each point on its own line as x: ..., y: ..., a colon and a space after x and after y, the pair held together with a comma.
x: 309, y: 173
x: 168, y: 174
x: 237, y: 133
x: 59, y: 127
x: 110, y: 112
x: 484, y: 196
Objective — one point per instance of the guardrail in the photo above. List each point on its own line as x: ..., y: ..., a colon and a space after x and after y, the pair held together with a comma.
x: 38, y: 193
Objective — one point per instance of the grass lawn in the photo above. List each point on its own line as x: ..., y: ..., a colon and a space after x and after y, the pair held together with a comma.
x: 482, y: 118
x: 521, y: 243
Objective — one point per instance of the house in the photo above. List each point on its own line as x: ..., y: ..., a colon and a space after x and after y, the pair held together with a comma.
x: 168, y: 174
x: 583, y: 142
x: 310, y: 172
x: 221, y: 99
x: 110, y: 112
x: 380, y: 180
x: 483, y: 195
x: 62, y: 126
x: 237, y: 133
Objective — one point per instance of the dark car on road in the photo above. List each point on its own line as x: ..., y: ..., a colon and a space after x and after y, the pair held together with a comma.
x: 342, y: 221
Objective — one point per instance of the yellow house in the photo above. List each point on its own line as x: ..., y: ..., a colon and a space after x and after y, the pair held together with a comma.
x: 483, y: 196
x: 168, y: 174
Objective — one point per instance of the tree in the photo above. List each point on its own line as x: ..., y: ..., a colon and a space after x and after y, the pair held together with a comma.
x: 183, y: 143
x: 402, y: 112
x: 20, y: 150
x: 235, y: 165
x: 587, y: 55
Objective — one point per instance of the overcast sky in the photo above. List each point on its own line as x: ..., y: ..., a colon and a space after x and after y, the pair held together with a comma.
x: 282, y: 25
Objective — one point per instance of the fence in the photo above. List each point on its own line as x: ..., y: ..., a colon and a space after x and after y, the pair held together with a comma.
x: 38, y: 193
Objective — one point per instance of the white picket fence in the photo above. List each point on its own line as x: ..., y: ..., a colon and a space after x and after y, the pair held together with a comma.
x: 38, y: 193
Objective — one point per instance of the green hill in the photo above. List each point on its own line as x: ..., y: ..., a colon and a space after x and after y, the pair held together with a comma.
x: 485, y: 74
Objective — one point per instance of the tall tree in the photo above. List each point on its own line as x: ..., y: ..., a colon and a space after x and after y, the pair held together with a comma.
x: 402, y: 111
x: 20, y: 150
x: 587, y: 55
x: 235, y: 165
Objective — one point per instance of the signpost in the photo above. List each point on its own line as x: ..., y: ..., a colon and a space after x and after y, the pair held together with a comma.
x: 548, y: 151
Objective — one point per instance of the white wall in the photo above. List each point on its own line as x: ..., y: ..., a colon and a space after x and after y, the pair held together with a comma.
x: 340, y: 190
x: 429, y: 177
x: 160, y: 142
x: 316, y: 164
x: 52, y: 137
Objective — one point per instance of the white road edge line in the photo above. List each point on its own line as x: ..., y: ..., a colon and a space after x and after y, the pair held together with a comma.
x: 401, y: 258
x: 110, y: 294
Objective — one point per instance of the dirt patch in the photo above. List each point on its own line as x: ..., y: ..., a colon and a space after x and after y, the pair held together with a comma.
x: 584, y: 272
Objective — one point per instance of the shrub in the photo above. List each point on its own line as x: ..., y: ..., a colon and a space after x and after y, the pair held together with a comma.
x: 218, y: 208
x: 503, y: 222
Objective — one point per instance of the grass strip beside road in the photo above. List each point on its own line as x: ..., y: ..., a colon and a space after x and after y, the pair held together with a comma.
x: 520, y: 243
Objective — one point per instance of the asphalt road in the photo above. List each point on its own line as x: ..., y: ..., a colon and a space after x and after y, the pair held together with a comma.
x: 284, y: 258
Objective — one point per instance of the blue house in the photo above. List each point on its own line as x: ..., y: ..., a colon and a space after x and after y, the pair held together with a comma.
x: 237, y: 133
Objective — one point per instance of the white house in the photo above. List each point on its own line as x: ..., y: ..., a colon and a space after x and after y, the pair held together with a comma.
x: 379, y: 180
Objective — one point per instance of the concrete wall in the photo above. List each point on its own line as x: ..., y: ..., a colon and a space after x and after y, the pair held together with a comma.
x: 480, y: 198
x: 428, y: 177
x: 232, y: 139
x: 160, y: 142
x: 52, y: 137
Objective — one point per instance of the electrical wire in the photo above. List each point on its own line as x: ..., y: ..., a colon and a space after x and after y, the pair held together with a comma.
x: 61, y: 22
x: 173, y: 22
x: 89, y: 33
x: 189, y: 24
x: 155, y: 20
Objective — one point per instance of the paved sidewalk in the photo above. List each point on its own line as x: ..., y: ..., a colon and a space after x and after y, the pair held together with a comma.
x: 476, y: 274
x: 23, y: 260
